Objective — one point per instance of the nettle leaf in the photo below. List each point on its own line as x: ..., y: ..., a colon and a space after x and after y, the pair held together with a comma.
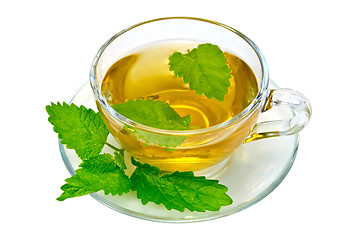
x: 178, y: 190
x: 205, y: 69
x: 78, y: 128
x: 155, y: 114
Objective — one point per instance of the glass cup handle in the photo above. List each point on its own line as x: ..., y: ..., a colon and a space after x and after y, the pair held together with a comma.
x: 283, y: 97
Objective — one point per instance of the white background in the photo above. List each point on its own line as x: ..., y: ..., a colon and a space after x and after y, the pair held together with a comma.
x: 312, y: 46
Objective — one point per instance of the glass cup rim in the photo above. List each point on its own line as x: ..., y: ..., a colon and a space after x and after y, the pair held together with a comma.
x: 119, y: 117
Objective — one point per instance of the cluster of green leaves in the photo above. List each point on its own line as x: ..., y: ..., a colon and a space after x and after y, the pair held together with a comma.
x: 83, y: 130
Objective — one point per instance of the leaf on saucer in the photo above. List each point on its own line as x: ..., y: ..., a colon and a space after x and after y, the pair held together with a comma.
x: 95, y: 174
x: 178, y: 190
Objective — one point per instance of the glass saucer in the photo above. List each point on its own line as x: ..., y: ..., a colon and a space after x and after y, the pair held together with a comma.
x: 253, y: 171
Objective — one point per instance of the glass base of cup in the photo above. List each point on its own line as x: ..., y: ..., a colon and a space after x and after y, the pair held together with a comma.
x: 212, y: 171
x: 208, y: 172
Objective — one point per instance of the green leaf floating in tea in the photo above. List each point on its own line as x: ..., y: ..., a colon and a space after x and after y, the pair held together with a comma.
x: 205, y: 69
x: 155, y: 114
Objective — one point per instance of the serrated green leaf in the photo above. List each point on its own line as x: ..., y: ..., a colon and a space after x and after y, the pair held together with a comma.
x: 205, y: 69
x: 78, y: 128
x: 155, y: 114
x: 178, y: 190
x: 100, y: 163
x: 96, y: 174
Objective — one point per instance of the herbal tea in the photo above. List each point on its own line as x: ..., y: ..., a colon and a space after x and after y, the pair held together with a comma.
x: 145, y: 74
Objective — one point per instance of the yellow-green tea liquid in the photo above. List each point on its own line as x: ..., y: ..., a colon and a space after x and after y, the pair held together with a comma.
x: 145, y: 73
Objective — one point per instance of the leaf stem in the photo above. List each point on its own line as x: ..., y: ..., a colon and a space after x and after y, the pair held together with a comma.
x: 113, y: 147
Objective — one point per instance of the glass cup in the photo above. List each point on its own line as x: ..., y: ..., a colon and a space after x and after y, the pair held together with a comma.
x: 205, y: 147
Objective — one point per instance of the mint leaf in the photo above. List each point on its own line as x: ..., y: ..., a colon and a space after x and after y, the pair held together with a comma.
x: 205, y: 69
x: 97, y: 173
x: 155, y: 114
x: 98, y: 164
x: 83, y: 130
x: 178, y: 190
x: 78, y: 128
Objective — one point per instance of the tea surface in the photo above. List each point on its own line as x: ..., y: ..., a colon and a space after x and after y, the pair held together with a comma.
x: 145, y: 74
